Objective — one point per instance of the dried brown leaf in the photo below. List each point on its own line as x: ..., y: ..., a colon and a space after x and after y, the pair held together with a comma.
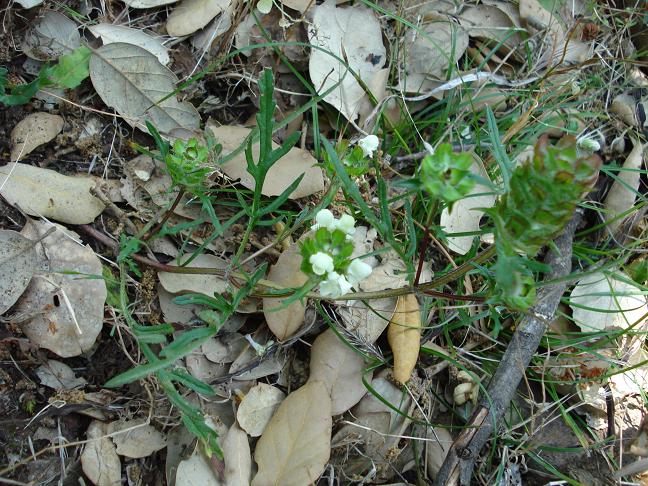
x: 404, y: 336
x: 296, y: 444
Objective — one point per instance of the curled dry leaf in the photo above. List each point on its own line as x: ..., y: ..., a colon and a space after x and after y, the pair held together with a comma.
x: 284, y: 322
x: 237, y: 456
x: 466, y: 213
x: 52, y: 35
x: 32, y: 131
x: 221, y: 24
x: 283, y: 173
x: 602, y: 302
x: 63, y: 310
x: 132, y: 80
x: 257, y: 408
x: 135, y: 438
x: 110, y: 34
x: 208, y: 285
x: 625, y: 107
x: 340, y: 368
x: 196, y: 471
x: 352, y: 34
x: 296, y: 444
x: 404, y: 336
x: 624, y: 190
x: 193, y: 15
x: 44, y: 192
x: 99, y: 460
x: 18, y: 261
x: 57, y: 375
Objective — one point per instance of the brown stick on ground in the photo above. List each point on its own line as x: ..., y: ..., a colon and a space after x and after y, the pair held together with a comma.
x: 484, y: 423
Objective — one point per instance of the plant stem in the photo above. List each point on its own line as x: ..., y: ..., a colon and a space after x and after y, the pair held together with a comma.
x: 166, y: 216
x: 425, y: 242
x: 444, y: 279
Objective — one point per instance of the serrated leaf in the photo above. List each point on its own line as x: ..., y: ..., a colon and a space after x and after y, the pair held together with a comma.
x: 404, y: 336
x: 132, y: 80
x: 340, y: 368
x: 296, y: 445
x: 44, y: 192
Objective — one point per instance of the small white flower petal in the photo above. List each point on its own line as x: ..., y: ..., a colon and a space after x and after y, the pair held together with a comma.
x: 331, y: 286
x: 369, y: 145
x: 344, y: 285
x: 322, y: 263
x: 346, y: 224
x: 358, y: 271
x: 324, y: 218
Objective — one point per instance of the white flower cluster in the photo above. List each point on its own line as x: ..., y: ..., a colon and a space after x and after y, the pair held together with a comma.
x: 336, y: 285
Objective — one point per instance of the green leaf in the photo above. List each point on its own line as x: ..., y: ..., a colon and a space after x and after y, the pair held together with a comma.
x: 71, y: 68
x: 191, y: 382
x: 266, y: 112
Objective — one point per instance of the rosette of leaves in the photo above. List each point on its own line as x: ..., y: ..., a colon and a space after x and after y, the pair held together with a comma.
x: 446, y: 174
x: 543, y: 195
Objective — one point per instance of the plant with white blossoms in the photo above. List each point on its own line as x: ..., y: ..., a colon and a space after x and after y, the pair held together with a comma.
x: 369, y: 145
x: 326, y: 255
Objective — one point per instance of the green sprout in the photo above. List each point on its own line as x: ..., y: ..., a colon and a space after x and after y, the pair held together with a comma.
x: 446, y: 175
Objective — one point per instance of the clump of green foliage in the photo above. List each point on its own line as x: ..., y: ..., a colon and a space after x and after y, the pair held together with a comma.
x: 542, y: 197
x: 70, y: 70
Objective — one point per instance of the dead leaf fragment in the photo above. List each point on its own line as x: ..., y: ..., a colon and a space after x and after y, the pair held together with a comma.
x: 436, y: 449
x: 57, y: 375
x: 283, y: 173
x: 51, y: 36
x: 64, y: 305
x: 340, y: 368
x: 237, y: 456
x: 99, y: 459
x: 141, y: 440
x: 18, y: 261
x: 193, y: 15
x: 196, y: 471
x: 354, y: 35
x: 148, y: 3
x: 602, y: 301
x: 624, y: 190
x: 32, y: 131
x: 296, y: 444
x: 205, y: 284
x: 466, y: 213
x: 44, y: 192
x: 404, y: 336
x: 110, y: 33
x: 257, y: 408
x: 131, y: 80
x: 285, y: 321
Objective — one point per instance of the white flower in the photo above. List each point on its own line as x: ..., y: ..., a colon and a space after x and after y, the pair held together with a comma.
x: 369, y: 145
x: 324, y: 219
x: 322, y: 263
x: 358, y: 271
x: 334, y: 286
x: 346, y: 224
x: 588, y: 144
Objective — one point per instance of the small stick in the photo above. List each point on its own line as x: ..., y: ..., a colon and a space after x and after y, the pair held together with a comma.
x: 484, y: 423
